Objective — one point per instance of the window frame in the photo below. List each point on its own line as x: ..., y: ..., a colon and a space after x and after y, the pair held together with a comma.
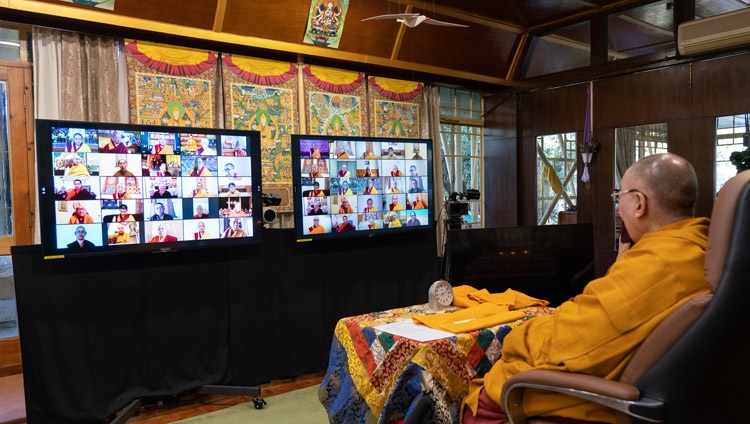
x: 569, y: 149
x: 457, y: 119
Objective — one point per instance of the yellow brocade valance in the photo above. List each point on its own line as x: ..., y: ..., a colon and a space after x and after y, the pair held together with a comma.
x: 334, y: 80
x: 171, y: 60
x: 260, y: 71
x: 398, y: 90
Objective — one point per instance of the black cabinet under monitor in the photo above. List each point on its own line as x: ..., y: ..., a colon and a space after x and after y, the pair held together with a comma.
x: 552, y: 262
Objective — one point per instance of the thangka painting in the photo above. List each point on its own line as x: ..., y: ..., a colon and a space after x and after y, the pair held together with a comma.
x: 325, y: 22
x: 261, y: 95
x: 336, y: 103
x: 395, y: 107
x: 171, y: 86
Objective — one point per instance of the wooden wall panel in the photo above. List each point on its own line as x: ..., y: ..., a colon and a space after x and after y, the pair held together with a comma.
x: 193, y: 13
x: 282, y: 22
x: 553, y: 111
x: 687, y: 97
x: 695, y: 140
x: 720, y: 86
x: 643, y: 98
x: 484, y: 50
x: 10, y: 357
x: 500, y: 164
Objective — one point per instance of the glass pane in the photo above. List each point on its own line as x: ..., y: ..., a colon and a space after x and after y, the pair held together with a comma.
x: 457, y: 176
x: 732, y: 135
x: 640, y: 31
x: 6, y: 216
x: 8, y: 313
x: 470, y: 141
x: 566, y: 48
x: 447, y: 176
x: 10, y: 46
x: 446, y: 141
x: 474, y: 215
x: 556, y: 176
x: 631, y: 144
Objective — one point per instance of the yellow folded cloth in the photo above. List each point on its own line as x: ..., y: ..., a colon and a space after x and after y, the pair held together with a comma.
x: 472, y: 318
x: 461, y: 296
x: 510, y: 297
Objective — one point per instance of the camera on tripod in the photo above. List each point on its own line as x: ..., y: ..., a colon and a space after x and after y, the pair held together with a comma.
x: 457, y: 206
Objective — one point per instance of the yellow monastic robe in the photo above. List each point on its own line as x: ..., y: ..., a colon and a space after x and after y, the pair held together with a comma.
x: 118, y: 238
x: 597, y: 332
x: 79, y: 170
x: 317, y: 230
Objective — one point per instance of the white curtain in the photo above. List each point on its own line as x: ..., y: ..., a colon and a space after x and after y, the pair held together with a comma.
x: 78, y: 77
x: 431, y: 129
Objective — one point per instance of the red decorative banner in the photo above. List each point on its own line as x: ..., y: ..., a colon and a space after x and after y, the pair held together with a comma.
x: 260, y: 71
x: 171, y: 60
x: 334, y: 80
x: 397, y: 90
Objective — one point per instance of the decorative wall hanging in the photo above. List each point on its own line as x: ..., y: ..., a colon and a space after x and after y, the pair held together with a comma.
x: 170, y: 85
x: 336, y: 101
x: 262, y: 95
x: 325, y: 22
x: 101, y: 4
x: 588, y: 145
x: 395, y: 107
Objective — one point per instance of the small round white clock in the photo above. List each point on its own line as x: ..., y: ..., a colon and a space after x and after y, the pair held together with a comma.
x: 440, y: 295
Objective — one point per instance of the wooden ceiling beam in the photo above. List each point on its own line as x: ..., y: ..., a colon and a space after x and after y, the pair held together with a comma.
x: 96, y: 21
x: 468, y: 17
x: 399, y: 37
x: 587, y: 14
x: 520, y: 52
x: 646, y: 25
x: 221, y: 10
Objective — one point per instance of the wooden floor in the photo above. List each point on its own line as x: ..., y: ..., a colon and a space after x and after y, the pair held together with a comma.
x: 11, y: 393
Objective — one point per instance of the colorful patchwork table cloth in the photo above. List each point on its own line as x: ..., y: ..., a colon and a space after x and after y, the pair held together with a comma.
x: 374, y: 376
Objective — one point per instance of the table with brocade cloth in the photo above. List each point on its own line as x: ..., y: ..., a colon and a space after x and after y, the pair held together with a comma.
x: 374, y: 376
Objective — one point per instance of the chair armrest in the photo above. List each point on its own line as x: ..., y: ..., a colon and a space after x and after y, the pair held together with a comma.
x: 618, y: 396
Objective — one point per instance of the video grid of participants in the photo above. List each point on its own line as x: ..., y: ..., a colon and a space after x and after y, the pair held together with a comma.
x: 363, y: 185
x: 119, y: 187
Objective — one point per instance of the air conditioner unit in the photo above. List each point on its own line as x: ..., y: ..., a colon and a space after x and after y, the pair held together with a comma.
x: 720, y: 32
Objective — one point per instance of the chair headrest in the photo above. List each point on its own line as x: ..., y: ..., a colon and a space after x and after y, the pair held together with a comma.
x: 722, y: 222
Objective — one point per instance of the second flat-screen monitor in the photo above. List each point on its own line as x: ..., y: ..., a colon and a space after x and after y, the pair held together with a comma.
x: 361, y: 186
x: 112, y: 188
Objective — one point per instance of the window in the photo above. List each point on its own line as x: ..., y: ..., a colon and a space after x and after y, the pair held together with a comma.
x: 564, y: 49
x: 632, y: 144
x: 732, y: 135
x: 641, y: 31
x: 556, y: 176
x: 16, y: 194
x: 462, y: 148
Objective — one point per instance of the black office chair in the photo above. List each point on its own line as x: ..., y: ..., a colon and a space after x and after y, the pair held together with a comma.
x: 695, y: 366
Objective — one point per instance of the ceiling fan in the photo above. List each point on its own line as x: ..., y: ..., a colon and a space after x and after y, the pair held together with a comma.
x: 413, y: 19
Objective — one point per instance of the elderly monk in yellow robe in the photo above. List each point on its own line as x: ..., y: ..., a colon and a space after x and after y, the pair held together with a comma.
x: 316, y: 228
x: 598, y: 331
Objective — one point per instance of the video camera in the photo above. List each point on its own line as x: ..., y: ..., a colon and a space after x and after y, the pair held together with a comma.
x: 457, y: 206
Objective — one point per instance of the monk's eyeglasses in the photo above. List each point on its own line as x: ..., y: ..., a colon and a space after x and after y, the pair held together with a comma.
x: 616, y: 193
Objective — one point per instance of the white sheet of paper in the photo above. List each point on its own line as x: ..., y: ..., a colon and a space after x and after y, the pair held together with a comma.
x: 411, y: 330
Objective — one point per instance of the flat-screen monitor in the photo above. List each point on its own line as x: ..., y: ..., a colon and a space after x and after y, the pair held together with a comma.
x: 114, y: 188
x: 361, y: 186
x: 551, y: 262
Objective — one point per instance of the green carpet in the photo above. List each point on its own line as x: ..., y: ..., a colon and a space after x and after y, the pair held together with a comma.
x: 299, y: 406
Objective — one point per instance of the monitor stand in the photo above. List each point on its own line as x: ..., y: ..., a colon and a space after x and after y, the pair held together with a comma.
x: 133, y: 407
